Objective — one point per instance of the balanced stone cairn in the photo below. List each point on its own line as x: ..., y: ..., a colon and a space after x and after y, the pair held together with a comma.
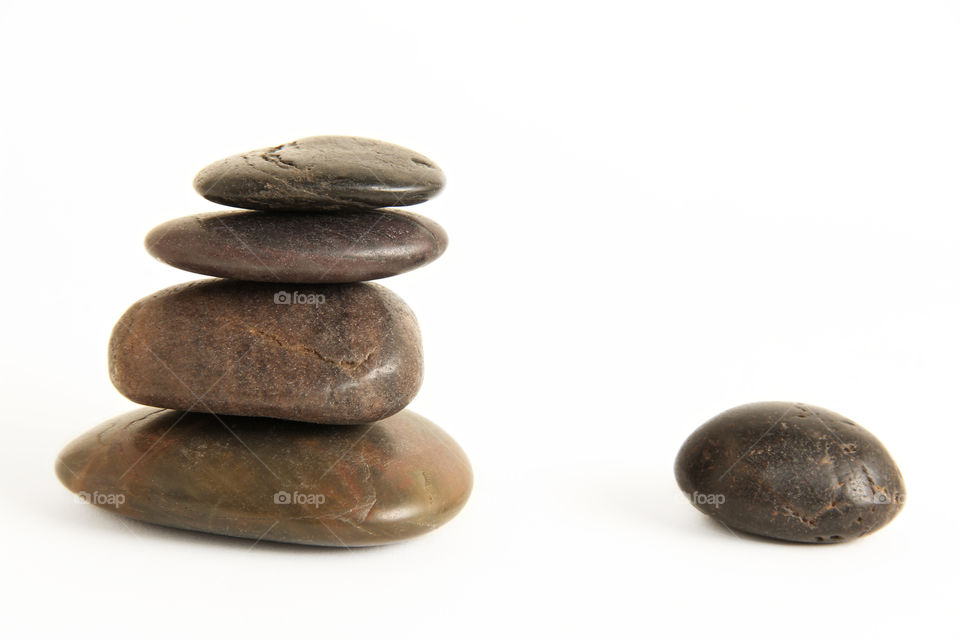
x: 282, y: 381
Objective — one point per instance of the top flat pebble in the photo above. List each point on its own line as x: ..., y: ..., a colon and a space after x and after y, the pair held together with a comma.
x: 319, y: 173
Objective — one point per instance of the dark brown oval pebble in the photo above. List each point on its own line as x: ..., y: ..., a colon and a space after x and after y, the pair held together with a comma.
x: 790, y: 471
x: 268, y: 479
x: 338, y: 246
x: 321, y: 172
x: 338, y: 354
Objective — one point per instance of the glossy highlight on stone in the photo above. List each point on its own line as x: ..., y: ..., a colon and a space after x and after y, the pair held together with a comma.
x: 321, y: 172
x: 351, y: 245
x: 267, y: 479
x: 790, y: 471
x: 334, y: 354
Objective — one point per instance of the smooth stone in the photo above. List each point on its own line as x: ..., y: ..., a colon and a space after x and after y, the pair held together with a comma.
x: 321, y: 172
x: 267, y: 479
x: 339, y: 246
x: 790, y: 471
x: 335, y: 353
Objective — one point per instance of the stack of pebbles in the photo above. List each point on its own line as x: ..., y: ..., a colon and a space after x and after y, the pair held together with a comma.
x: 283, y: 380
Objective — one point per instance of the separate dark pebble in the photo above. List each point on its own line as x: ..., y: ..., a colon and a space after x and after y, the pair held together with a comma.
x: 790, y: 471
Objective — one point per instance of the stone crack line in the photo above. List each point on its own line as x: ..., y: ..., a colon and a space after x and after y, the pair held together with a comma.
x: 350, y: 365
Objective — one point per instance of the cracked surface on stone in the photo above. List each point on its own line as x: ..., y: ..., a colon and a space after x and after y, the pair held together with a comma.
x: 790, y: 471
x: 321, y: 172
x: 351, y: 356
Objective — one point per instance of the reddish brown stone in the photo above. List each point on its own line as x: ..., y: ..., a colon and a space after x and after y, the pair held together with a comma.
x: 338, y: 246
x: 267, y: 479
x: 336, y: 354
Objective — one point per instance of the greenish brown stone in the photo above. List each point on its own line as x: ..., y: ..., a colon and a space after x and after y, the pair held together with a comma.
x: 267, y: 479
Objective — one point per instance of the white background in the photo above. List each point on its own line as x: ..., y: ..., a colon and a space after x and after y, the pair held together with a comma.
x: 657, y: 211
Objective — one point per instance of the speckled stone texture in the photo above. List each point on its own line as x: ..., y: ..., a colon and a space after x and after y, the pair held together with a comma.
x: 335, y: 354
x: 339, y: 246
x: 321, y: 172
x: 790, y: 471
x: 268, y: 479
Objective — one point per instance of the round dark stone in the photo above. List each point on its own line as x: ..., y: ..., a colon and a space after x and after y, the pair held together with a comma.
x: 338, y: 246
x: 335, y: 354
x: 790, y: 471
x: 268, y: 479
x: 321, y: 172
